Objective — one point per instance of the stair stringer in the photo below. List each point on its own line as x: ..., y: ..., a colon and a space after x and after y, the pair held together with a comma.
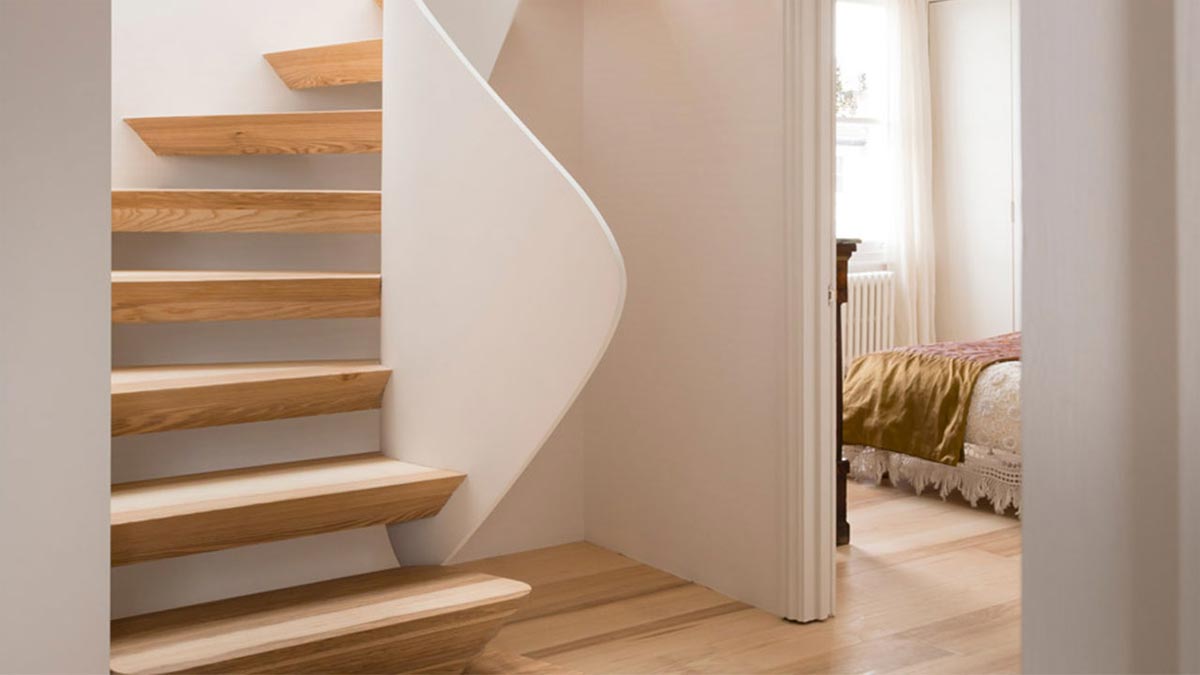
x: 502, y: 284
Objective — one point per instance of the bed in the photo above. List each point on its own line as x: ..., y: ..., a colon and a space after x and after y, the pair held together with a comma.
x: 945, y: 417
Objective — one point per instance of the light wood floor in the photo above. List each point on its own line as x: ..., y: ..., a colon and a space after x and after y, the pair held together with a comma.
x: 926, y: 587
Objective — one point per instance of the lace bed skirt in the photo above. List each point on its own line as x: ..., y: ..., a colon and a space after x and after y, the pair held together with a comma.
x: 984, y: 472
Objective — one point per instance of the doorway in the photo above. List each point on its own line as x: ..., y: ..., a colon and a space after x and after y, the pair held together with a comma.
x: 926, y: 193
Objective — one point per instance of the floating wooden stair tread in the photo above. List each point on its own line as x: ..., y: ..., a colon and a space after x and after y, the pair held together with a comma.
x: 403, y: 620
x: 283, y: 211
x: 172, y: 296
x: 296, y: 133
x: 329, y: 66
x: 181, y: 515
x: 164, y: 398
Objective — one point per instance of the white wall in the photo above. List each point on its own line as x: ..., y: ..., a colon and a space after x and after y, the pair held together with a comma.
x: 684, y: 419
x: 670, y: 114
x: 205, y: 56
x: 478, y: 28
x: 972, y: 81
x: 54, y: 258
x: 545, y: 506
x: 1107, y: 313
x: 539, y: 74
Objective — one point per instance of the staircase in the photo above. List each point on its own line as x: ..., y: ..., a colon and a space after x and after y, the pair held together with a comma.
x: 401, y: 620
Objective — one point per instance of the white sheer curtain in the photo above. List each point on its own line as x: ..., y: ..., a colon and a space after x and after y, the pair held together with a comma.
x: 910, y: 250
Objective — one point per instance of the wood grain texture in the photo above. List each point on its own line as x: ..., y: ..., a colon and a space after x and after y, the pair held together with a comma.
x: 175, y: 296
x: 404, y: 620
x: 330, y: 65
x: 296, y: 133
x: 279, y: 211
x: 925, y: 587
x: 162, y: 398
x: 498, y: 662
x: 175, y: 516
x: 596, y: 589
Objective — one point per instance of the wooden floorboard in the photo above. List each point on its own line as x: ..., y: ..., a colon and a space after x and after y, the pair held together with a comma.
x: 498, y: 662
x: 926, y: 587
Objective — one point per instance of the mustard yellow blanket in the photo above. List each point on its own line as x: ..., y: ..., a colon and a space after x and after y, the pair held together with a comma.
x: 914, y: 400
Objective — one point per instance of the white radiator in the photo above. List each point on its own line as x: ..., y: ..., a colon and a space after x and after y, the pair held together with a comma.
x: 868, y: 317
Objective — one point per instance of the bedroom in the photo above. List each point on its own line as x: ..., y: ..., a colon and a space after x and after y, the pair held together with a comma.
x: 929, y: 253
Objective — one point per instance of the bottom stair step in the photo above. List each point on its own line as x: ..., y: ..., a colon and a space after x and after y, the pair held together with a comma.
x: 403, y: 620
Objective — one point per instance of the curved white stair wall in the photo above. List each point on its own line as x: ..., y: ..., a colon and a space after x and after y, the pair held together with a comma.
x: 502, y: 285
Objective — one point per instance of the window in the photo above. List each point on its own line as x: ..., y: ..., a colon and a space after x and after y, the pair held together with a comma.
x: 862, y: 125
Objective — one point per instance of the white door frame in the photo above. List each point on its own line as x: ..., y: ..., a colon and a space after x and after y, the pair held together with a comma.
x: 810, y: 466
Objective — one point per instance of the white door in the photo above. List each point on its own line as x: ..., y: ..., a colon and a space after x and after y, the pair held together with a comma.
x: 971, y: 64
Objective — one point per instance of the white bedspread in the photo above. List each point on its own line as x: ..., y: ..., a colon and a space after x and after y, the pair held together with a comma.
x: 994, y: 418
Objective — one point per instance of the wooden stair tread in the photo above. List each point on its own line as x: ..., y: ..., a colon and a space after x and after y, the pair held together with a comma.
x: 282, y: 211
x: 150, y: 500
x: 163, y: 398
x: 137, y: 379
x: 337, y: 131
x: 158, y: 296
x: 159, y: 276
x: 398, y: 620
x: 329, y: 65
x: 181, y: 515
